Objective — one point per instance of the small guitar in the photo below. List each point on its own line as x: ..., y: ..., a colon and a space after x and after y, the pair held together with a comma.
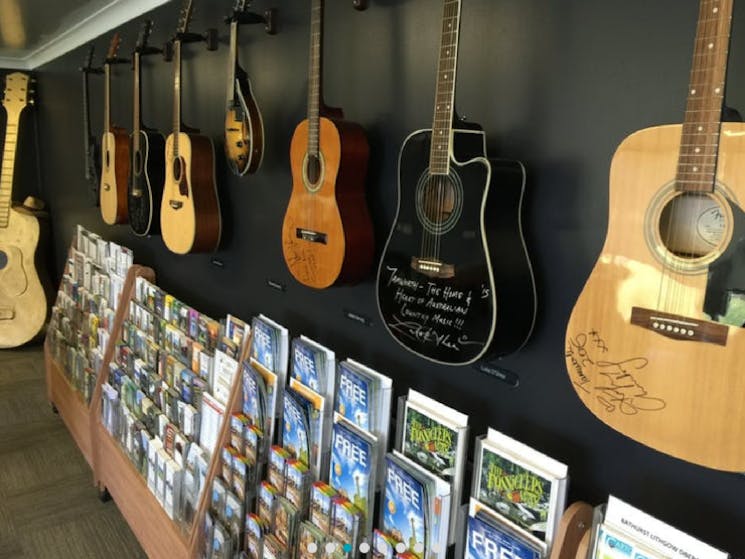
x: 244, y: 128
x: 455, y: 260
x: 147, y: 146
x: 92, y: 163
x: 327, y: 235
x: 23, y: 301
x: 655, y: 342
x: 114, y: 152
x: 190, y: 218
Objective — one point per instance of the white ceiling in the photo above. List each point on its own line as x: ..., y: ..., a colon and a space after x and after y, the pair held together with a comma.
x: 33, y: 32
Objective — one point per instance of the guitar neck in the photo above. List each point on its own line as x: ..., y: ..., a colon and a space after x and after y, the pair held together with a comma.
x: 136, y: 102
x: 314, y: 76
x: 699, y: 145
x: 87, y: 138
x: 8, y: 166
x: 176, y: 95
x: 107, y: 99
x: 232, y: 63
x: 442, y: 123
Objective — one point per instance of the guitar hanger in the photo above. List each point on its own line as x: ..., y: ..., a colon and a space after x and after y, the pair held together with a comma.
x: 88, y: 69
x: 268, y: 18
x: 360, y: 5
x: 209, y: 37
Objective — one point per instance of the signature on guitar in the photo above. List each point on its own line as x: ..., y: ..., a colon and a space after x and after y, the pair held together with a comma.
x: 614, y: 383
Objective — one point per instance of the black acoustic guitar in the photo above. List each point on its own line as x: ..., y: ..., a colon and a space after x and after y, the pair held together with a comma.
x: 455, y: 259
x: 147, y: 146
x: 90, y: 145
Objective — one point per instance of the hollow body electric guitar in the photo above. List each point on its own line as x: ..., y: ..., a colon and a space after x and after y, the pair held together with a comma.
x: 190, y: 218
x: 327, y: 235
x: 23, y: 302
x: 114, y: 153
x: 244, y: 127
x: 655, y: 342
x: 456, y: 249
x: 147, y: 146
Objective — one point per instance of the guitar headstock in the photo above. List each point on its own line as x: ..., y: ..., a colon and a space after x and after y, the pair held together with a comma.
x: 185, y: 17
x: 145, y: 29
x: 116, y: 41
x: 239, y: 6
x: 17, y: 93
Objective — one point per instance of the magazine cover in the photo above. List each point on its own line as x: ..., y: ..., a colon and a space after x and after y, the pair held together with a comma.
x: 353, y: 398
x: 264, y: 344
x: 295, y: 427
x: 321, y: 495
x: 352, y: 468
x: 254, y: 539
x: 310, y: 540
x: 404, y: 507
x: 308, y: 364
x: 254, y: 395
x: 486, y: 539
x: 430, y: 442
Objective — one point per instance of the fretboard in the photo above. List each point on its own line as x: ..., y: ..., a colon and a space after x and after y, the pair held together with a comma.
x: 176, y: 95
x: 314, y: 75
x: 107, y: 98
x: 136, y: 109
x: 8, y: 166
x: 232, y: 61
x: 442, y: 124
x: 86, y: 126
x: 699, y: 146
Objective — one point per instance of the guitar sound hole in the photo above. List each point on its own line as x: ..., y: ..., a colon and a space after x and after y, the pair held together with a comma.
x: 177, y: 169
x: 3, y: 260
x: 313, y: 169
x: 438, y: 199
x: 692, y: 225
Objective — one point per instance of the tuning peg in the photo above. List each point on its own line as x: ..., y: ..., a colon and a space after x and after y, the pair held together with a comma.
x: 32, y: 101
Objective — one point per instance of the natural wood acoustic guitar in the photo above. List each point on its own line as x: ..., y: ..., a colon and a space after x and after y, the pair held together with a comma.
x: 114, y: 153
x: 655, y: 342
x: 327, y: 235
x: 190, y: 218
x: 23, y: 301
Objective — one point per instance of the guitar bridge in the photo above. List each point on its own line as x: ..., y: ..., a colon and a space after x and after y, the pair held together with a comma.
x: 432, y: 268
x: 310, y: 236
x: 175, y: 204
x: 680, y: 327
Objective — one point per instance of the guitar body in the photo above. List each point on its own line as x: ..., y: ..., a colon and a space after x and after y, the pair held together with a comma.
x: 114, y: 174
x: 244, y: 131
x: 190, y: 209
x: 327, y: 235
x: 23, y: 301
x: 676, y: 386
x: 453, y: 320
x: 146, y: 181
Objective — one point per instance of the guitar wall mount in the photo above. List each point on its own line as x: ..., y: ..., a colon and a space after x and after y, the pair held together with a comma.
x: 209, y: 37
x: 360, y: 5
x: 268, y: 18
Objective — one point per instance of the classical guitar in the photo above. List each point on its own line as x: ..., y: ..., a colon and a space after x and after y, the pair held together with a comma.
x: 92, y: 162
x: 114, y: 152
x: 190, y: 210
x: 655, y: 342
x: 455, y: 284
x: 147, y: 146
x: 23, y: 301
x: 327, y: 235
x: 244, y: 127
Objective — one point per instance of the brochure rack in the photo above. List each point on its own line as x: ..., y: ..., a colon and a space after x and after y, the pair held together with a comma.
x: 575, y: 528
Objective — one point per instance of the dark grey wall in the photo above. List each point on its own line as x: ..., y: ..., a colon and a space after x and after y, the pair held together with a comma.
x: 556, y: 84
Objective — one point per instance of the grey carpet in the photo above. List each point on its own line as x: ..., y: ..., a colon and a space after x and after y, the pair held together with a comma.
x: 48, y: 506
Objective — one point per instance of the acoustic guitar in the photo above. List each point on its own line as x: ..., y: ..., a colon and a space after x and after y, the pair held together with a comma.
x: 190, y: 218
x: 654, y: 344
x: 23, y: 301
x: 114, y: 152
x: 244, y: 127
x: 455, y: 284
x: 327, y: 235
x: 147, y: 146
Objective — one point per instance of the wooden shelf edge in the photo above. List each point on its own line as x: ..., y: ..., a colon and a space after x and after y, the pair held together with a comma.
x: 70, y: 406
x: 574, y: 530
x: 158, y: 535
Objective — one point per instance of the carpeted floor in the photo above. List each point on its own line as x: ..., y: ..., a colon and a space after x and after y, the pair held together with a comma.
x: 48, y: 506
